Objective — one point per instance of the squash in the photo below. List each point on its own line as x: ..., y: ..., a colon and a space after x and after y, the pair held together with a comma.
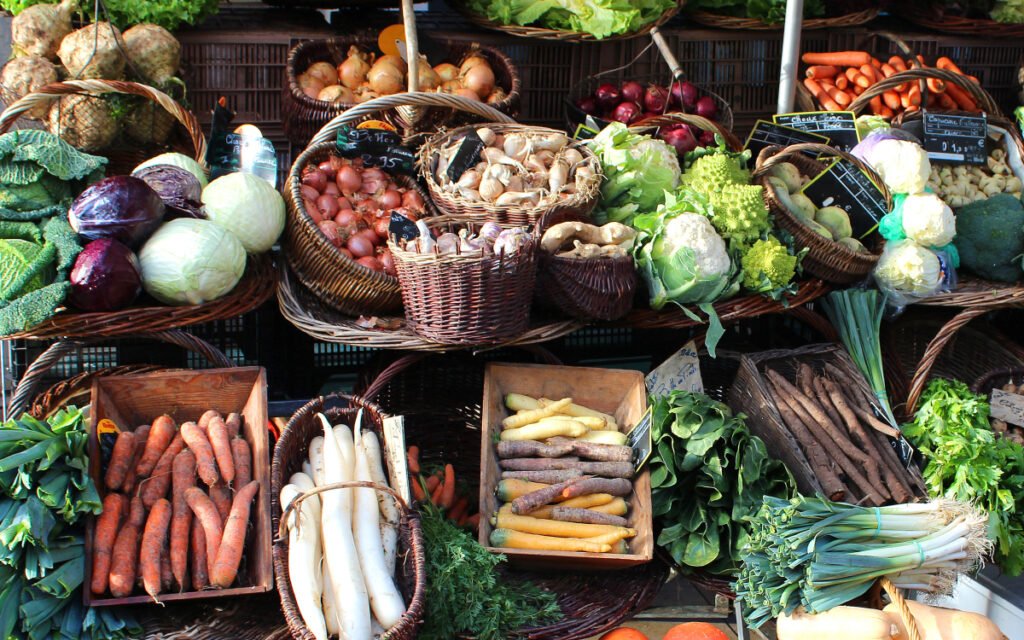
x: 937, y: 623
x: 840, y: 623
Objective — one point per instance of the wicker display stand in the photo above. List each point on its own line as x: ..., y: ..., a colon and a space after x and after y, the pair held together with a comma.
x: 718, y: 21
x: 932, y: 16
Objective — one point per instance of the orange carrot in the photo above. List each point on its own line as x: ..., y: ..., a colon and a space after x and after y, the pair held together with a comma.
x: 225, y: 568
x: 473, y: 521
x: 463, y: 518
x: 125, y: 556
x: 914, y: 95
x: 841, y: 97
x: 166, y: 575
x: 221, y: 496
x: 904, y: 99
x: 435, y: 495
x: 184, y: 476
x: 160, y: 436
x: 414, y: 459
x: 206, y: 512
x: 819, y: 72
x: 242, y: 456
x: 459, y: 509
x: 204, y: 420
x: 154, y: 537
x: 120, y: 459
x: 820, y: 95
x: 842, y: 81
x: 200, y: 572
x: 448, y: 495
x: 141, y: 434
x: 946, y: 102
x: 155, y: 486
x: 234, y: 424
x: 870, y: 73
x: 856, y: 89
x: 935, y: 85
x: 417, y: 488
x: 962, y: 98
x: 220, y: 441
x: 887, y: 69
x: 838, y: 58
x: 432, y: 483
x: 199, y: 443
x: 887, y: 112
x: 876, y: 105
x: 897, y: 63
x: 115, y: 506
x: 892, y: 99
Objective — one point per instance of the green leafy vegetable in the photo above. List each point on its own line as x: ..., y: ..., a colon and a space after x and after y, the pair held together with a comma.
x: 600, y: 18
x: 708, y: 478
x: 45, y: 150
x: 466, y: 593
x: 967, y: 461
x: 770, y: 11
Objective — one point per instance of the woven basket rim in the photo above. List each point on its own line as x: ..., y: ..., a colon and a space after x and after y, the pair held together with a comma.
x: 983, y: 99
x: 721, y: 21
x: 935, y: 18
x: 256, y: 287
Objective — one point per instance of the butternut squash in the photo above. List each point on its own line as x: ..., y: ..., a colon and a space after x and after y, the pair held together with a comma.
x: 937, y: 623
x: 840, y: 623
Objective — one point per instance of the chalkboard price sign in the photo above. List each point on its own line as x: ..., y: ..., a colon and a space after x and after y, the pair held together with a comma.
x: 768, y: 134
x: 376, y: 148
x: 640, y: 441
x: 467, y: 156
x: 956, y: 138
x: 844, y: 185
x: 401, y: 228
x: 840, y: 127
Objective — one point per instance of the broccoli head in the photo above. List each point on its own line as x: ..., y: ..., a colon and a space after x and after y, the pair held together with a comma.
x: 990, y: 237
x: 739, y: 213
x: 768, y: 266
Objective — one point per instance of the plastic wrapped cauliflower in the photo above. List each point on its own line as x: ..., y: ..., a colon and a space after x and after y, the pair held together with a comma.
x: 927, y: 220
x: 908, y: 269
x: 898, y: 159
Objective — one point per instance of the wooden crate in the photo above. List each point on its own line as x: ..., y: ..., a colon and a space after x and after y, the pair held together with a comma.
x: 185, y: 395
x: 619, y: 393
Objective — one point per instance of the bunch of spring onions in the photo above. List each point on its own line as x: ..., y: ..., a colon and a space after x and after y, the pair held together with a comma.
x: 857, y: 316
x: 818, y: 554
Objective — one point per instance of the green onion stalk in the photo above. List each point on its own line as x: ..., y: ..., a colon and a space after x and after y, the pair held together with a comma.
x: 816, y: 554
x: 857, y: 316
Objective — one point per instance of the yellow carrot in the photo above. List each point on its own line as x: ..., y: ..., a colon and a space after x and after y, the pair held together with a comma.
x: 578, y: 411
x: 613, y: 536
x: 511, y: 488
x: 524, y: 418
x: 544, y: 430
x: 603, y: 437
x: 519, y: 540
x: 589, y: 422
x: 557, y: 528
x: 616, y: 507
x: 519, y: 402
x: 582, y: 502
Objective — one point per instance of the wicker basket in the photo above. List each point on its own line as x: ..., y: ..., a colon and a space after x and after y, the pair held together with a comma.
x: 304, y: 116
x: 124, y: 155
x: 580, y: 203
x: 668, y: 119
x: 441, y: 400
x: 465, y: 299
x: 718, y: 21
x: 921, y: 75
x: 933, y: 16
x: 255, y: 288
x: 825, y: 259
x: 542, y: 33
x: 290, y: 451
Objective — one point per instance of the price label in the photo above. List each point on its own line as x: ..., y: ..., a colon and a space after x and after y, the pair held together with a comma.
x: 377, y: 148
x: 639, y: 439
x: 394, y: 446
x: 768, y: 134
x: 680, y: 371
x: 844, y: 185
x: 402, y: 229
x: 956, y: 138
x: 1008, y: 407
x: 467, y: 156
x: 840, y: 127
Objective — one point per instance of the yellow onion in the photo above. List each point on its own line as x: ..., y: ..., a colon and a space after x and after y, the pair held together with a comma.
x: 324, y: 72
x: 384, y: 78
x: 395, y: 61
x: 479, y: 79
x: 498, y: 95
x: 352, y: 72
x: 446, y: 72
x: 467, y: 93
x: 309, y: 85
x: 450, y: 86
x: 428, y: 78
x: 472, y: 61
x: 336, y: 94
x: 364, y: 93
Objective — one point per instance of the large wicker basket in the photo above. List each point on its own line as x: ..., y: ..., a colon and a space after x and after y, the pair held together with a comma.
x: 693, y: 120
x: 338, y: 281
x: 922, y: 75
x: 289, y: 453
x: 467, y: 299
x: 933, y: 16
x: 719, y: 21
x: 304, y: 116
x: 124, y: 156
x: 581, y: 202
x: 825, y: 259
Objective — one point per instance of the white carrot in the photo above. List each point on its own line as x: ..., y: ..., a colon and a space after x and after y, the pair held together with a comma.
x: 331, y: 614
x: 385, y: 600
x: 307, y: 468
x: 316, y: 460
x: 304, y: 483
x: 339, y: 544
x: 304, y: 559
x: 390, y: 517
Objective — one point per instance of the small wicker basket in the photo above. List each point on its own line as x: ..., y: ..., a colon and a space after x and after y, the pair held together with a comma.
x: 290, y: 451
x: 466, y: 299
x: 582, y: 202
x: 933, y: 16
x: 719, y: 21
x: 668, y: 119
x: 922, y: 75
x: 825, y: 259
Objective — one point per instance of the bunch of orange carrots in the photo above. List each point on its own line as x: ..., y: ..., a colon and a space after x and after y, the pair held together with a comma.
x: 835, y: 79
x: 441, y: 489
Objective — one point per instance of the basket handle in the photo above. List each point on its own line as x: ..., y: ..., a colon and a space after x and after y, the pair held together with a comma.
x: 54, y: 91
x: 771, y: 156
x: 979, y: 95
x: 700, y: 122
x: 418, y: 99
x: 897, y: 599
x: 29, y: 383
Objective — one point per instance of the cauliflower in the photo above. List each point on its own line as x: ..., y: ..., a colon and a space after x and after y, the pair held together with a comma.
x: 909, y: 269
x: 768, y: 266
x: 739, y: 213
x: 901, y: 163
x: 927, y: 220
x: 691, y: 231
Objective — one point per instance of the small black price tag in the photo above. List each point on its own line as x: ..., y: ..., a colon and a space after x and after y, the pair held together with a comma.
x: 401, y: 228
x: 844, y: 185
x: 467, y: 156
x: 956, y: 138
x: 377, y: 148
x: 840, y: 127
x: 768, y: 134
x: 639, y: 439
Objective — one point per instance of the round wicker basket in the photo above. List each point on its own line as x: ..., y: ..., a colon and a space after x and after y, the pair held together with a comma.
x: 668, y: 119
x: 718, y: 21
x: 933, y: 16
x: 289, y: 453
x: 922, y: 75
x: 542, y: 33
x: 826, y: 259
x: 582, y: 202
x: 124, y: 156
x: 304, y: 116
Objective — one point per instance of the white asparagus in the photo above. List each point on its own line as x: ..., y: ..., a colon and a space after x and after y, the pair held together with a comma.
x: 340, y: 550
x: 390, y: 517
x: 316, y: 460
x: 305, y: 572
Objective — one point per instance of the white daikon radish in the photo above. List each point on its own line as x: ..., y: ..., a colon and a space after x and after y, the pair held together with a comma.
x: 304, y: 482
x: 339, y: 543
x: 307, y: 469
x: 376, y: 627
x: 385, y: 600
x: 390, y: 517
x: 304, y: 559
x: 331, y: 614
x: 316, y: 460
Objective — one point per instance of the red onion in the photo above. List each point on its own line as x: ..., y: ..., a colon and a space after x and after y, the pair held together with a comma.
x: 348, y: 219
x: 348, y: 179
x: 312, y: 210
x: 370, y: 235
x: 684, y: 94
x: 633, y: 91
x: 388, y: 262
x: 345, y: 252
x: 331, y: 189
x: 588, y: 105
x: 707, y: 138
x: 308, y: 192
x: 391, y: 199
x: 315, y: 178
x: 707, y: 108
x: 330, y: 229
x: 327, y: 206
x: 327, y: 168
x: 359, y: 246
x: 380, y: 227
x: 607, y: 96
x: 371, y: 263
x: 344, y: 203
x: 626, y: 113
x: 412, y: 199
x: 655, y: 98
x: 681, y: 139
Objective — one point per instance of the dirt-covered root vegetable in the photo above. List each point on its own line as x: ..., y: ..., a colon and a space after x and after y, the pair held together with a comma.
x: 149, y: 123
x: 94, y: 51
x: 84, y: 122
x: 39, y: 29
x: 154, y: 53
x: 21, y: 76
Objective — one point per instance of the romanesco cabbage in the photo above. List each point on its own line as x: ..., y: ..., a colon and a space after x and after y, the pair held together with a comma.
x: 709, y: 172
x: 768, y: 266
x: 739, y: 214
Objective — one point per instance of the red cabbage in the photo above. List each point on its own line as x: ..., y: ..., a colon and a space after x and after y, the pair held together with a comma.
x: 121, y: 207
x: 179, y: 188
x: 106, y: 277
